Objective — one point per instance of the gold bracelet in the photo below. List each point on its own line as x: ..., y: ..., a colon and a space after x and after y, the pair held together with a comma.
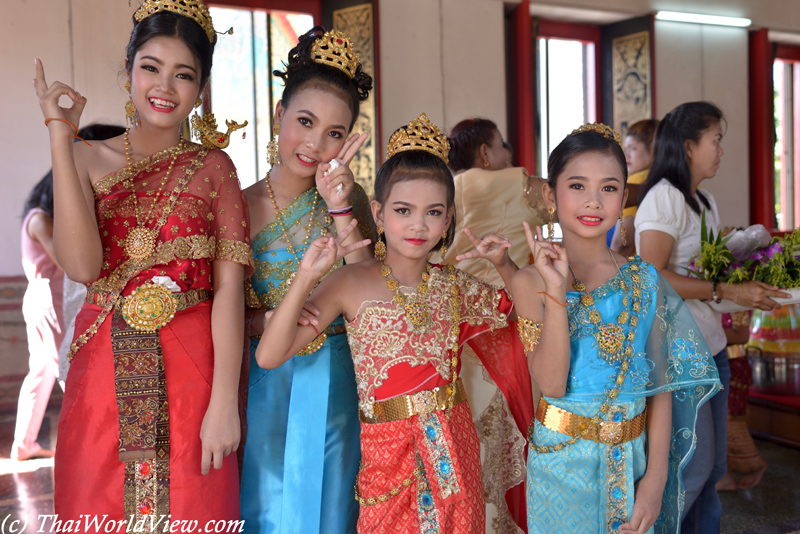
x: 529, y: 332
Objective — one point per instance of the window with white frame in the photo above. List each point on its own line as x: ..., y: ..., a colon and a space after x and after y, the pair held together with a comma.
x: 242, y: 84
x: 566, y: 91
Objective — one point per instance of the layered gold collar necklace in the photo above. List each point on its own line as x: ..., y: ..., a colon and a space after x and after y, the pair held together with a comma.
x: 140, y: 242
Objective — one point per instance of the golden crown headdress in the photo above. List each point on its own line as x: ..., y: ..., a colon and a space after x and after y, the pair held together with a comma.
x: 602, y: 129
x: 194, y: 9
x: 333, y: 48
x: 420, y: 134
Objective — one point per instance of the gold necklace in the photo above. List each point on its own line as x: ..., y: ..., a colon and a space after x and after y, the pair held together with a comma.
x: 610, y: 336
x: 416, y: 308
x: 141, y: 240
x: 286, y: 283
x: 625, y: 356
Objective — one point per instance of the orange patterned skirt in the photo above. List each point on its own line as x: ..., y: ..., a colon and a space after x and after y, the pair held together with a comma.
x: 438, y: 457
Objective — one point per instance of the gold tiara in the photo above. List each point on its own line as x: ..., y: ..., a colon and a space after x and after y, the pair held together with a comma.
x: 194, y: 9
x: 334, y: 50
x: 602, y: 129
x: 420, y: 134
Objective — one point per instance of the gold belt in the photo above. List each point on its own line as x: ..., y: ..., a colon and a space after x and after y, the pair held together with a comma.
x: 405, y: 406
x: 151, y: 306
x: 572, y: 424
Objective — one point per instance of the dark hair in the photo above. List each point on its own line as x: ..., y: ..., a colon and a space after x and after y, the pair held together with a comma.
x: 644, y: 131
x: 301, y: 71
x: 466, y: 139
x: 687, y: 121
x: 579, y: 143
x: 41, y: 196
x: 417, y: 165
x: 167, y: 24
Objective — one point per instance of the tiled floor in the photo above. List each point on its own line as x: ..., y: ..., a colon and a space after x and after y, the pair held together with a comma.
x: 26, y: 488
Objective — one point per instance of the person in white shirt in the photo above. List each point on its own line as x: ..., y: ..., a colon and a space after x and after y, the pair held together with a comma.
x: 688, y: 151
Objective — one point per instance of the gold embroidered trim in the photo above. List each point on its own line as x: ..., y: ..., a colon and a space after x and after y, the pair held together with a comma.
x: 104, y: 185
x: 381, y: 337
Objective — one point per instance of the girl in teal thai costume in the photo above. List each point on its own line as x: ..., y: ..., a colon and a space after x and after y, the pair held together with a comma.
x: 301, y: 448
x: 620, y: 362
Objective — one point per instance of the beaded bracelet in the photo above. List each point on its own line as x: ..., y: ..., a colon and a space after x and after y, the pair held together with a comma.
x: 46, y: 121
x: 339, y: 210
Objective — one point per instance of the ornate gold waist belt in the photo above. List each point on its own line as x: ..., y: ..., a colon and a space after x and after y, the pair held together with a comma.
x: 405, y: 406
x: 572, y: 424
x: 151, y: 306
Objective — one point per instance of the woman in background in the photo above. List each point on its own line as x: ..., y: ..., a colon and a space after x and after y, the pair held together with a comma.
x: 668, y: 223
x: 491, y: 197
x: 44, y: 320
x: 638, y: 147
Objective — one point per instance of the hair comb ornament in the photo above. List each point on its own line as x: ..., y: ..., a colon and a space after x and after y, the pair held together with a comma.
x: 602, y: 129
x: 420, y: 134
x: 206, y: 130
x: 193, y: 9
x: 333, y: 49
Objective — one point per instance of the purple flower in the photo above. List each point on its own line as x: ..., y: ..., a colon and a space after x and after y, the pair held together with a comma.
x: 775, y: 248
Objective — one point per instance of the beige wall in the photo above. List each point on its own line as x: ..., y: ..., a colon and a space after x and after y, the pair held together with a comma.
x: 699, y: 62
x: 772, y: 14
x: 81, y: 43
x: 450, y: 67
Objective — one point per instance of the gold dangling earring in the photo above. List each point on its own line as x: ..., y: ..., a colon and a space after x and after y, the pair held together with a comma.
x: 551, y: 211
x: 131, y: 115
x: 274, y: 157
x: 195, y: 122
x: 622, y: 232
x: 380, y: 246
x: 443, y: 250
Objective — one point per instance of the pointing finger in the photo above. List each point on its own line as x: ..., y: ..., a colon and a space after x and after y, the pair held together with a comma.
x: 39, y: 82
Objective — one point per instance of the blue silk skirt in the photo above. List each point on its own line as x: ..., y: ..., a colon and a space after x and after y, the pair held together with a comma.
x: 302, y: 451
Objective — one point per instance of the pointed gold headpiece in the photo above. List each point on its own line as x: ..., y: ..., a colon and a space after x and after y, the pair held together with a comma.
x: 194, y: 9
x: 598, y: 127
x: 420, y: 134
x: 333, y: 49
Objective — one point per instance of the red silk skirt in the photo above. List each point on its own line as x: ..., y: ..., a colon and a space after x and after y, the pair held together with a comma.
x: 88, y: 474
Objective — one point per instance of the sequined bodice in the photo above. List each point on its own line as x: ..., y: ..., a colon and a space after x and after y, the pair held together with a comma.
x: 381, y: 336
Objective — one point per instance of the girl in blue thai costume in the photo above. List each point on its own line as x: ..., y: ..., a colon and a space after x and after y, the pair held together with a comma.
x: 301, y: 452
x: 620, y: 362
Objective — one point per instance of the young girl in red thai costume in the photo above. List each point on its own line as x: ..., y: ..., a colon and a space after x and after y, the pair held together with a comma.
x: 406, y: 324
x: 154, y: 225
x: 622, y: 366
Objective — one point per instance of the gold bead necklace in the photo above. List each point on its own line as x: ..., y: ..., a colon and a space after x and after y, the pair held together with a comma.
x: 416, y: 308
x: 286, y: 283
x: 141, y: 240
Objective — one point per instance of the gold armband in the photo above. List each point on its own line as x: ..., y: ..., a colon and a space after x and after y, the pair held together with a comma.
x: 315, y: 345
x: 529, y: 333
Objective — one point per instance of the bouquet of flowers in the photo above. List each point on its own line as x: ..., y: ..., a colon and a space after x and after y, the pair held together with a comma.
x: 750, y: 254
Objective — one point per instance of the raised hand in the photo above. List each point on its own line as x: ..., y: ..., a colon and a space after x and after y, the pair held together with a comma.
x: 336, y: 185
x: 323, y: 253
x: 550, y: 259
x: 48, y: 101
x: 492, y: 247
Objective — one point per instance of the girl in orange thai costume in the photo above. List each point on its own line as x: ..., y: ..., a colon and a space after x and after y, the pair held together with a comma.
x: 406, y: 323
x: 155, y: 225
